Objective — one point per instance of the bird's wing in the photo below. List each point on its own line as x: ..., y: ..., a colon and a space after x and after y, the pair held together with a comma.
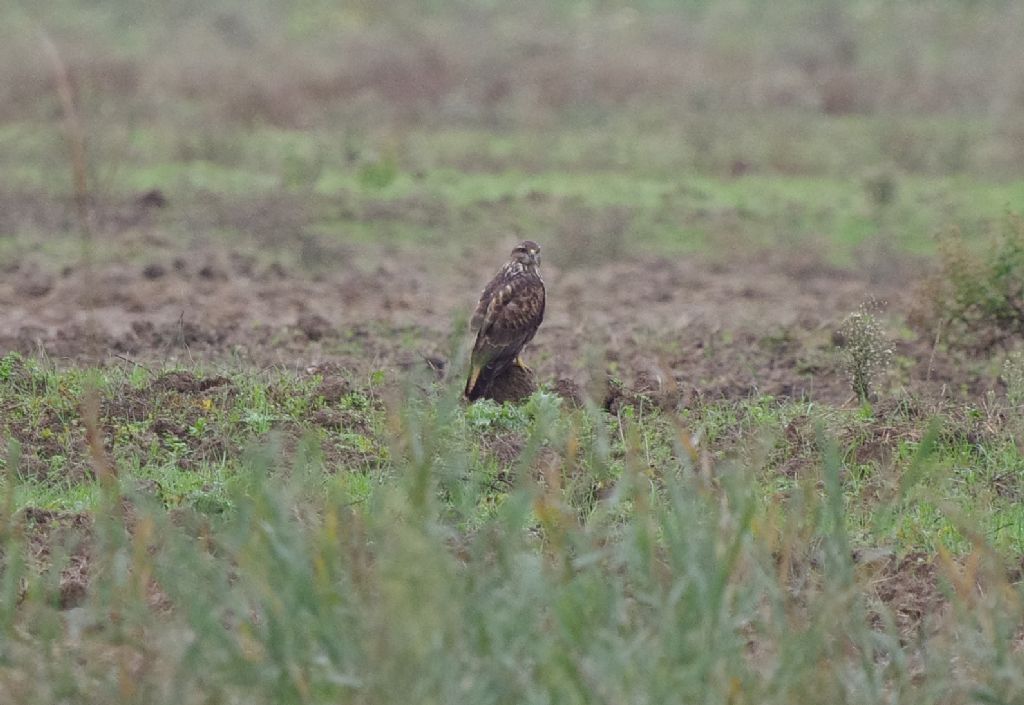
x: 485, y: 300
x: 514, y: 312
x: 510, y: 320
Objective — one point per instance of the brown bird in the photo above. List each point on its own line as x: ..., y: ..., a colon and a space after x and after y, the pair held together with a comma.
x: 507, y: 316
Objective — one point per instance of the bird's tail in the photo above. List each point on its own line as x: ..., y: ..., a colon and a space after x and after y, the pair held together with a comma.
x: 481, y: 377
x: 476, y: 383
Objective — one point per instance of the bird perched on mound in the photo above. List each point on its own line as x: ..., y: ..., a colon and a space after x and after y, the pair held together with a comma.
x: 507, y: 316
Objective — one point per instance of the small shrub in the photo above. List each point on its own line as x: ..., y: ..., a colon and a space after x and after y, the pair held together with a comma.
x: 8, y: 364
x: 1013, y: 376
x: 864, y: 348
x: 489, y: 414
x: 977, y: 297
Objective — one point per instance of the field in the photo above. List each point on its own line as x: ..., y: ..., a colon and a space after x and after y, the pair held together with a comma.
x: 776, y: 455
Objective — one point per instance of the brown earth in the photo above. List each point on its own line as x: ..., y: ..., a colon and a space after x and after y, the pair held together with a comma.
x: 908, y: 587
x: 679, y: 327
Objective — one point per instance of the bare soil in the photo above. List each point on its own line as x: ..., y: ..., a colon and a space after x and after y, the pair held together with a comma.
x: 685, y: 326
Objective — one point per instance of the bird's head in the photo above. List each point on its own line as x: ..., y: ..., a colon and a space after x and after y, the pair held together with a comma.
x: 526, y: 253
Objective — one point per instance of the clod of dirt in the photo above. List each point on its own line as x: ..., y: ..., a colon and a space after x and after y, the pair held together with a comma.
x: 616, y: 397
x: 72, y: 591
x: 28, y: 338
x: 211, y: 272
x: 909, y: 588
x: 275, y: 270
x: 242, y: 264
x: 46, y: 529
x: 504, y: 447
x: 154, y: 198
x: 143, y: 328
x: 34, y: 284
x: 570, y: 391
x: 147, y: 487
x: 648, y: 382
x: 1007, y: 485
x: 187, y: 383
x: 328, y: 418
x: 658, y: 386
x: 165, y: 427
x: 313, y: 326
x: 334, y: 389
x: 51, y: 518
x: 325, y: 369
x: 154, y: 270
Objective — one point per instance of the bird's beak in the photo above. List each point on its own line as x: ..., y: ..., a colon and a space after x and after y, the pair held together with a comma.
x: 535, y: 256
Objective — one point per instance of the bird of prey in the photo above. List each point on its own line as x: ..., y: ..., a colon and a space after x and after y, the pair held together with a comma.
x: 508, y: 314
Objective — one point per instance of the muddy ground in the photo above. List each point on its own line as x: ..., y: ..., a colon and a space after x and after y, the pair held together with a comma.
x: 723, y: 325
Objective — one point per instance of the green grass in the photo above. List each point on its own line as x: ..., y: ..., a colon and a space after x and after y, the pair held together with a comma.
x: 441, y: 187
x: 430, y: 577
x: 188, y: 447
x: 188, y: 444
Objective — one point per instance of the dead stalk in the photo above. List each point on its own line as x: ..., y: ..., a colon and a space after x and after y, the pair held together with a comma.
x: 74, y: 132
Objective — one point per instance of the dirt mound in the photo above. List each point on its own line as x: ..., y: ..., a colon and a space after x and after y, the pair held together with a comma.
x: 187, y: 383
x: 71, y: 534
x: 909, y: 588
x: 515, y: 384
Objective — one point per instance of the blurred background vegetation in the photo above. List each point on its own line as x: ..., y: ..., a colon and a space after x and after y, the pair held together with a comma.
x: 685, y: 124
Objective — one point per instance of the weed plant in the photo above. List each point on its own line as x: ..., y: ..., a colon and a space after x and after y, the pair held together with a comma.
x: 865, y: 350
x: 977, y: 295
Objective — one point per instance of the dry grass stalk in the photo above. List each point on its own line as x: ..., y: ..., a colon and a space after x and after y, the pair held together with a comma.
x: 75, y: 135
